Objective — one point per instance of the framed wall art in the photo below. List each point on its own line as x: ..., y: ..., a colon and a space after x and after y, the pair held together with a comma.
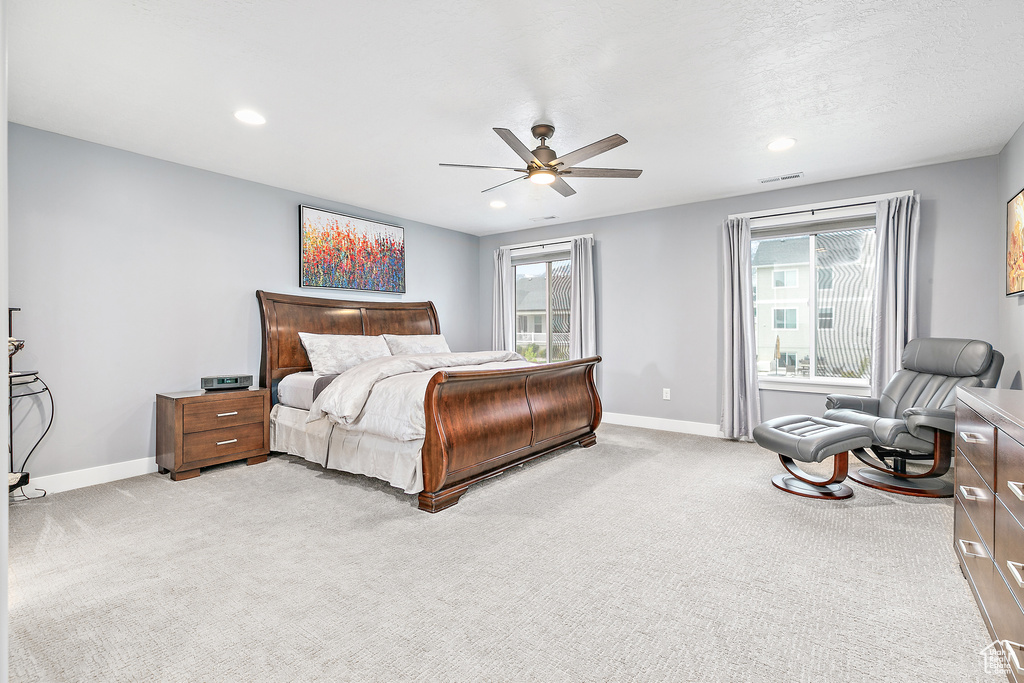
x: 1015, y: 245
x: 345, y: 252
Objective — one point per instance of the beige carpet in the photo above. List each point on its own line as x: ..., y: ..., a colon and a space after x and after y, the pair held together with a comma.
x: 650, y: 557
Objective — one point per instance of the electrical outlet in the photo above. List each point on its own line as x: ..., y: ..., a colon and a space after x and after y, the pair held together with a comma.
x: 666, y: 394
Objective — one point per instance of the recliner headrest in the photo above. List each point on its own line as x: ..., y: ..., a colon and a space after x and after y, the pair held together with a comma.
x: 950, y: 357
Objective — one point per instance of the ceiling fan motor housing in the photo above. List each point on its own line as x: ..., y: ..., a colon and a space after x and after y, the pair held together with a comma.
x: 545, y: 154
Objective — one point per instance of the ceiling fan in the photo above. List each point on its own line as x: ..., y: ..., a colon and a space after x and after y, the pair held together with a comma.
x: 545, y: 167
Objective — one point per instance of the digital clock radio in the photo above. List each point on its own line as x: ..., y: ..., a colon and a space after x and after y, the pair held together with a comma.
x: 221, y: 382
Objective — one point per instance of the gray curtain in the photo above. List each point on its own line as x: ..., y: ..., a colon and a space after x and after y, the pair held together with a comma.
x: 897, y: 225
x: 741, y: 402
x: 582, y: 308
x: 503, y: 329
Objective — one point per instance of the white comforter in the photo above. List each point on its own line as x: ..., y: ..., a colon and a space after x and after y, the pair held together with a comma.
x: 385, y: 395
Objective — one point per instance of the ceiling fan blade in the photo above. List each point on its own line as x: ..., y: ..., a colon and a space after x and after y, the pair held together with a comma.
x: 591, y: 150
x: 505, y: 183
x: 577, y: 172
x: 518, y: 147
x: 562, y: 187
x: 493, y: 168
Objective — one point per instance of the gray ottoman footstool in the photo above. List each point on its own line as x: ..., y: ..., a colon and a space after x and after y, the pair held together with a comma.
x: 812, y: 439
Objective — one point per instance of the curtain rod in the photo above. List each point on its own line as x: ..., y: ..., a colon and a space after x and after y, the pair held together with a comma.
x: 543, y: 243
x: 823, y: 206
x: 811, y: 211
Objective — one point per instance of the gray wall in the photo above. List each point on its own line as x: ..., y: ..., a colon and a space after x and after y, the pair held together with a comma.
x: 659, y: 278
x: 137, y: 276
x: 1011, y: 308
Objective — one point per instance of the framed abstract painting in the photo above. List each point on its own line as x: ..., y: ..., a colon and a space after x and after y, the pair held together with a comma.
x: 345, y: 252
x: 1015, y: 245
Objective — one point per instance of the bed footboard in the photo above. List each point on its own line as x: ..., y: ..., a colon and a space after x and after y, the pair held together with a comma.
x: 480, y: 423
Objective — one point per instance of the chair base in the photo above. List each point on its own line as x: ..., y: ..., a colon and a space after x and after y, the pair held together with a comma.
x: 925, y: 488
x: 790, y: 484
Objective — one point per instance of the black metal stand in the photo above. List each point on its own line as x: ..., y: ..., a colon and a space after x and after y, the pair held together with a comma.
x: 28, y: 383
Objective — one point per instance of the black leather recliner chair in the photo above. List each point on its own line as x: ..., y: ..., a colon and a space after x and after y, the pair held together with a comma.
x: 913, y: 418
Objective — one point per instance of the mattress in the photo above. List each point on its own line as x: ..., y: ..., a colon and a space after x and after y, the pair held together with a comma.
x: 400, y: 463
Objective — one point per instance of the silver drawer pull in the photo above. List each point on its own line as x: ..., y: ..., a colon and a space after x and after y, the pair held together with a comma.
x: 234, y: 412
x: 1015, y: 568
x: 972, y: 493
x: 1010, y: 649
x: 980, y: 552
x: 1016, y: 488
x: 971, y: 437
x: 221, y: 443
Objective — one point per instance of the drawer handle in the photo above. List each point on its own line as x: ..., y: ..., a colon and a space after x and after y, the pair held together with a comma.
x: 233, y: 412
x: 1010, y: 649
x: 221, y: 443
x: 1016, y: 488
x: 972, y: 493
x: 963, y: 548
x: 971, y: 437
x: 1015, y: 568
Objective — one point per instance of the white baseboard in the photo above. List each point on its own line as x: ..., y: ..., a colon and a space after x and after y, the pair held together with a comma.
x: 664, y: 424
x: 66, y: 481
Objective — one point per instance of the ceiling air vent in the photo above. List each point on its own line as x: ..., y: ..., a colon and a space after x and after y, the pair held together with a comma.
x: 544, y: 218
x: 777, y: 178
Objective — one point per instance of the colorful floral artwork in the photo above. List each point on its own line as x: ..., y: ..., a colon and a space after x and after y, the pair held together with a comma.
x: 350, y: 253
x: 1015, y: 245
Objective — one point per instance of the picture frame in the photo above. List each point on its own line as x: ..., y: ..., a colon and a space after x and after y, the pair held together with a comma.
x: 1015, y: 245
x: 338, y: 251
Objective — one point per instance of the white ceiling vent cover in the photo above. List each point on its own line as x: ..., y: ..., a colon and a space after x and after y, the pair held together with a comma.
x: 777, y: 178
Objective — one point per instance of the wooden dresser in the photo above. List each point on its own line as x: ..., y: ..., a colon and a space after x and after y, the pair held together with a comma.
x: 198, y: 428
x: 989, y: 512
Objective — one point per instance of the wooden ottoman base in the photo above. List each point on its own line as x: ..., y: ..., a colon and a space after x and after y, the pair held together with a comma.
x: 799, y: 483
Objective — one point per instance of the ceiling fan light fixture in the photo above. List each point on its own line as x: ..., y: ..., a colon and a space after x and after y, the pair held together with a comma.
x: 542, y: 176
x: 781, y: 144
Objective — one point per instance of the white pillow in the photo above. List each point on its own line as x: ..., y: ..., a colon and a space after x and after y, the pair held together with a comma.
x: 333, y: 354
x: 401, y: 344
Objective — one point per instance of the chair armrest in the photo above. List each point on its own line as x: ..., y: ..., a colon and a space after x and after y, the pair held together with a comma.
x: 918, y: 418
x: 864, y: 404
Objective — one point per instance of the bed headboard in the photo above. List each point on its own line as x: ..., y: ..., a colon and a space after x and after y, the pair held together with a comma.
x: 283, y: 316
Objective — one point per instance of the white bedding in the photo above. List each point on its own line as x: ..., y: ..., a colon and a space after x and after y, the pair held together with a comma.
x: 327, y: 444
x: 296, y: 390
x: 384, y: 396
x: 375, y: 422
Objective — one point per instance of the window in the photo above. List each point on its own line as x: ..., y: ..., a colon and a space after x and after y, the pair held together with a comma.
x: 837, y: 263
x: 785, y: 318
x: 784, y: 278
x: 542, y: 307
x: 824, y: 318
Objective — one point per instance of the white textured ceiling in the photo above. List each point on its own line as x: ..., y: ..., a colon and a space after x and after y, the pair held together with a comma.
x: 363, y: 99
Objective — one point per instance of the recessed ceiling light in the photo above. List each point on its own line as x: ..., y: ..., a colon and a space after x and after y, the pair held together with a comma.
x: 498, y: 204
x: 249, y: 116
x: 781, y: 144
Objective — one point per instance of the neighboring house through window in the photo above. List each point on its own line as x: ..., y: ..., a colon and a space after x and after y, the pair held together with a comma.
x: 824, y: 273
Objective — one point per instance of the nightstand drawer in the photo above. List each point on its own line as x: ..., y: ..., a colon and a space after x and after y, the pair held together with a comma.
x: 216, y: 443
x: 228, y: 412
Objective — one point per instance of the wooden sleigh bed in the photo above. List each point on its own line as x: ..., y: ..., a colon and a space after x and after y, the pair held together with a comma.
x: 478, y: 423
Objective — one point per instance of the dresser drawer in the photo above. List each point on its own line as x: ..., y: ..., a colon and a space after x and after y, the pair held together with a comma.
x: 976, y: 498
x: 974, y: 556
x: 975, y: 438
x: 216, y: 443
x: 228, y: 412
x: 1010, y: 474
x: 1007, y: 618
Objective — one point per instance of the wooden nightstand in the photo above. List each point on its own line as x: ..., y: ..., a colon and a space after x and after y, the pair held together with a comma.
x: 201, y: 428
